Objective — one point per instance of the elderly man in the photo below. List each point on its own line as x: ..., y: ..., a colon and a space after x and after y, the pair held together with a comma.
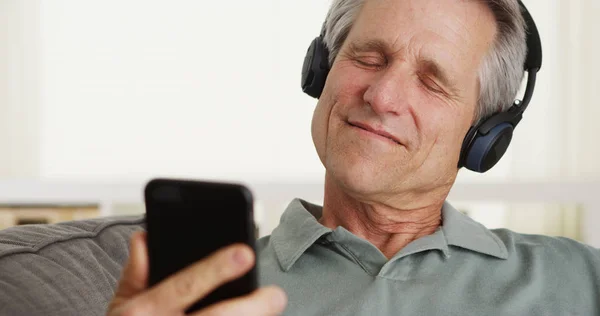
x: 403, y: 84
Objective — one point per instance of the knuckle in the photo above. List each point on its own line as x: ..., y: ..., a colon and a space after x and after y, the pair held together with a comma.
x: 185, y: 286
x: 134, y: 310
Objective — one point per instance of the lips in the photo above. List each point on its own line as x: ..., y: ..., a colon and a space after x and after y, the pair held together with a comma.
x: 373, y: 130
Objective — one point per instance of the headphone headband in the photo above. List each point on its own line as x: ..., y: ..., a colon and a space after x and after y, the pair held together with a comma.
x: 487, y: 141
x: 533, y: 63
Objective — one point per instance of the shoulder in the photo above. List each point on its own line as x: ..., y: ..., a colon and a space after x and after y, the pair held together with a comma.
x: 557, y: 251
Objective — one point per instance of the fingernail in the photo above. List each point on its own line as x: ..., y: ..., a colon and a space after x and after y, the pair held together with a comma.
x: 240, y: 257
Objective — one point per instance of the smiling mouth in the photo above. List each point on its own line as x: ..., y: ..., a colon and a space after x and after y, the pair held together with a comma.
x: 372, y: 131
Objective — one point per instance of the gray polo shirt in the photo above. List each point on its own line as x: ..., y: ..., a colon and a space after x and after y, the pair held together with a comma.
x: 461, y: 269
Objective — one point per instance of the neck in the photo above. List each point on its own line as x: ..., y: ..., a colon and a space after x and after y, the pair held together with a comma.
x: 389, y: 225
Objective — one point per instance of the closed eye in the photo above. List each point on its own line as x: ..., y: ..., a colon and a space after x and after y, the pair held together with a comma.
x: 370, y: 62
x: 431, y: 85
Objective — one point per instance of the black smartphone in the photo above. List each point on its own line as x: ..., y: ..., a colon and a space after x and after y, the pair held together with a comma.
x: 187, y: 220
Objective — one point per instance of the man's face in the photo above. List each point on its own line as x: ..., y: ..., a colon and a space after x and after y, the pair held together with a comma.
x: 401, y: 95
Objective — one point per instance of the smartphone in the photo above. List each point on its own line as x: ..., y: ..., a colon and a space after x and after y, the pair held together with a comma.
x: 187, y: 220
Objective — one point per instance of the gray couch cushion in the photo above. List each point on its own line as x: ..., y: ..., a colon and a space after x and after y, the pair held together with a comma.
x: 69, y: 268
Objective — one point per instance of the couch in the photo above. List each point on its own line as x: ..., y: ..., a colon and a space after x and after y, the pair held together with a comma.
x: 69, y: 268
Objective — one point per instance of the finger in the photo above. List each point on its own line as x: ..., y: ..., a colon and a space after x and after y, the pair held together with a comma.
x: 264, y: 301
x: 134, y: 278
x: 184, y: 288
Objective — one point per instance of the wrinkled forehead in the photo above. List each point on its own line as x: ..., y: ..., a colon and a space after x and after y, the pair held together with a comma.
x: 435, y: 15
x: 445, y: 30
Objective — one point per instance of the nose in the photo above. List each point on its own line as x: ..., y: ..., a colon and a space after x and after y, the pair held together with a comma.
x: 388, y: 92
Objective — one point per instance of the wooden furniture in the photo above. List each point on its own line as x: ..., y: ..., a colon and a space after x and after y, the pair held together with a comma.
x: 14, y: 215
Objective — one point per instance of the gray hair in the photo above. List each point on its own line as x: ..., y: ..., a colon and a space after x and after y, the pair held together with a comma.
x: 501, y: 71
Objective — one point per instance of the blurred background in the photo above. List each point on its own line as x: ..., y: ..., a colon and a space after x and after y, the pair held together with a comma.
x: 97, y: 97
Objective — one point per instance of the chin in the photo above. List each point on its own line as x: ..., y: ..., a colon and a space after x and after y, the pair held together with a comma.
x: 362, y: 178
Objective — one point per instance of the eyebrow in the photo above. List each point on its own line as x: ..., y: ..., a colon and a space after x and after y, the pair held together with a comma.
x: 426, y: 64
x: 369, y: 46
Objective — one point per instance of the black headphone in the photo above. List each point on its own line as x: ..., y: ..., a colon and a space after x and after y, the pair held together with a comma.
x: 487, y: 141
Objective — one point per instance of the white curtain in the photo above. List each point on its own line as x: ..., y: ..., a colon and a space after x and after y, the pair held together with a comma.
x: 20, y: 91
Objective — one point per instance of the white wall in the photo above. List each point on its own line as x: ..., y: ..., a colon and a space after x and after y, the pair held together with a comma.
x: 192, y: 88
x: 558, y: 136
x: 581, y: 105
x: 210, y: 89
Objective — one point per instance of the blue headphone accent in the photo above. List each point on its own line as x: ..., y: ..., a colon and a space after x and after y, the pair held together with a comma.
x: 487, y: 149
x: 487, y: 141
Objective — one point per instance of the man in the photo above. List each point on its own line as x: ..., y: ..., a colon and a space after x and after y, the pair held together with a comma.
x: 408, y: 79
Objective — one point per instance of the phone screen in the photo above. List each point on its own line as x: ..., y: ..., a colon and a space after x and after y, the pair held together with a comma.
x: 188, y: 220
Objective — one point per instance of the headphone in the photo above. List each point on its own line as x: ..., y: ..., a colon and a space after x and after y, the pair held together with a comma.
x: 487, y: 141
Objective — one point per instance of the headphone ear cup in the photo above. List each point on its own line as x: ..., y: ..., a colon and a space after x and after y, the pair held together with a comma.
x: 486, y: 150
x: 315, y: 68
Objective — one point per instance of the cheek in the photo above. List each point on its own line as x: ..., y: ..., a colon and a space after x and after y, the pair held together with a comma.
x: 319, y: 128
x: 320, y: 125
x: 450, y: 132
x: 342, y: 89
x: 347, y: 84
x: 442, y: 129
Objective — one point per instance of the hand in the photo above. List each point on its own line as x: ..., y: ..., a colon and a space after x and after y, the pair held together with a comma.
x: 175, y: 294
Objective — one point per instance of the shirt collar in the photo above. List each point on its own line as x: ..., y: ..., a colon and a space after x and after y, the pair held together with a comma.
x: 462, y: 231
x: 299, y: 229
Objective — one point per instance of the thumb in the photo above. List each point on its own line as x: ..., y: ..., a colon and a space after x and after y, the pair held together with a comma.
x: 134, y: 278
